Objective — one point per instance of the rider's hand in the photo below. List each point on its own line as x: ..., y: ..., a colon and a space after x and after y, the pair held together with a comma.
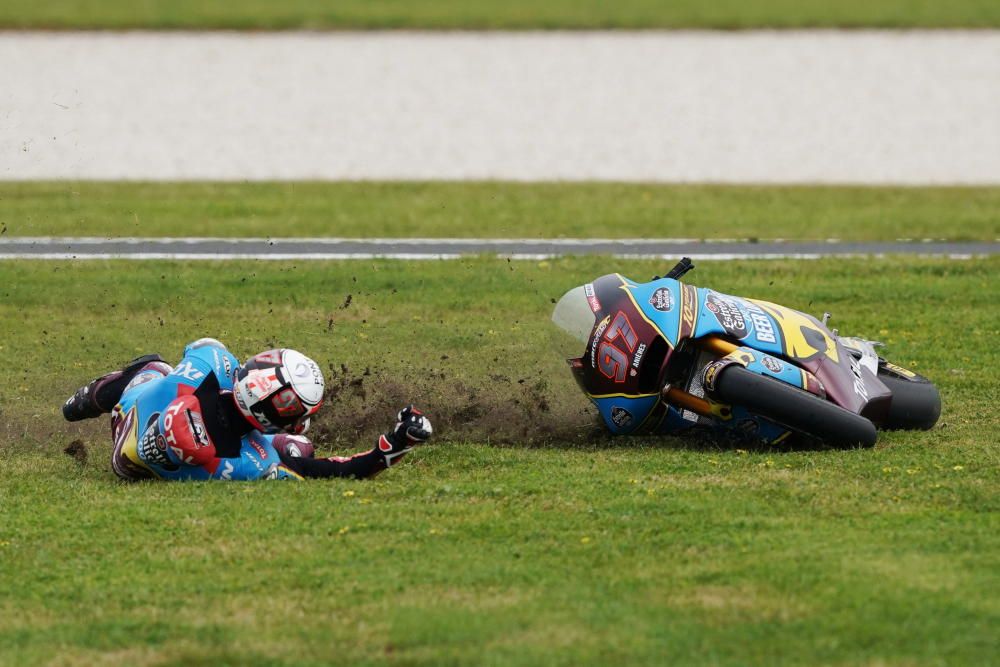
x: 412, y: 428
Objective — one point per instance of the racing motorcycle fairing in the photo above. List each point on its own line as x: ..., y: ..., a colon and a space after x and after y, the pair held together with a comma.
x: 786, y: 333
x: 633, y: 331
x: 625, y: 353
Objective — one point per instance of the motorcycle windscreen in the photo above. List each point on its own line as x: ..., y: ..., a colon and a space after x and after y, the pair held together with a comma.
x: 574, y: 318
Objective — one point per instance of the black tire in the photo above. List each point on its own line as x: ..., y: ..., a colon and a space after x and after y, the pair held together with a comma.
x: 916, y: 403
x: 793, y: 407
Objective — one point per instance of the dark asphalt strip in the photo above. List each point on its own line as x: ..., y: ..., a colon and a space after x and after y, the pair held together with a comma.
x: 208, y: 249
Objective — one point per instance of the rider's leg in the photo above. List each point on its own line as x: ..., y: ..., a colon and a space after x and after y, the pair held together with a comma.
x: 100, y: 395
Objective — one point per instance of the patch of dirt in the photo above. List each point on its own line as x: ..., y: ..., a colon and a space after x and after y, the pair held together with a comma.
x: 503, y: 411
x: 78, y: 450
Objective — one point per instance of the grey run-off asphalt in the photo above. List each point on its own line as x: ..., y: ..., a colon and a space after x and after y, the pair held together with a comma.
x: 429, y: 249
x: 910, y: 107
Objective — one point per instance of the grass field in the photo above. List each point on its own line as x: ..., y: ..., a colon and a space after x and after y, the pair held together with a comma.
x: 495, y: 14
x: 497, y: 210
x: 522, y: 536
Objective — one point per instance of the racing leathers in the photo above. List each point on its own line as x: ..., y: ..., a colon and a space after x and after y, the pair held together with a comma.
x: 181, y: 423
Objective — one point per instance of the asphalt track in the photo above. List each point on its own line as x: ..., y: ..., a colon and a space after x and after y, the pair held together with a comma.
x: 90, y: 248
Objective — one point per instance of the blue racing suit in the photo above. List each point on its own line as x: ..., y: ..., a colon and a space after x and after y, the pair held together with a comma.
x: 165, y: 425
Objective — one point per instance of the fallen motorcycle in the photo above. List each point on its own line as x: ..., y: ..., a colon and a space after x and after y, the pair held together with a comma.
x: 668, y: 357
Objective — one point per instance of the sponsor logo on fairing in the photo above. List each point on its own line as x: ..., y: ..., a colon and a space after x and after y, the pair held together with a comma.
x: 771, y: 364
x: 598, y: 332
x: 763, y: 329
x: 662, y: 300
x: 689, y: 297
x: 859, y: 382
x: 621, y: 417
x: 595, y: 305
x: 637, y: 359
x: 727, y: 313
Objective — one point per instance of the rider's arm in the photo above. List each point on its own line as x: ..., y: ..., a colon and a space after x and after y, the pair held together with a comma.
x: 215, y: 357
x: 189, y: 444
x: 186, y: 437
x: 204, y: 342
x: 412, y: 428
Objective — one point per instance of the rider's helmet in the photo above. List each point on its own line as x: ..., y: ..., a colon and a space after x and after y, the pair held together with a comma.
x: 279, y: 390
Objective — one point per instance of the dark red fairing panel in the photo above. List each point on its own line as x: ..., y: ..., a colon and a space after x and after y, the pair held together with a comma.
x: 625, y: 353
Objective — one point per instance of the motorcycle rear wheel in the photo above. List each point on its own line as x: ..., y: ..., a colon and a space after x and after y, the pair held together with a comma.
x: 916, y: 403
x: 794, y: 408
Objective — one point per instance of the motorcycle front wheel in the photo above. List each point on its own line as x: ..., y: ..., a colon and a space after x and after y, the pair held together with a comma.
x: 794, y: 408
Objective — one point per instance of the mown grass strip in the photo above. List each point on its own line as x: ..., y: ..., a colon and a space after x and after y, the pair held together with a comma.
x: 496, y: 15
x: 497, y: 210
x: 573, y: 549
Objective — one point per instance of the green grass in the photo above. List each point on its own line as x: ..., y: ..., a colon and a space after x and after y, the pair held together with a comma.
x: 572, y: 549
x: 602, y: 210
x: 497, y: 14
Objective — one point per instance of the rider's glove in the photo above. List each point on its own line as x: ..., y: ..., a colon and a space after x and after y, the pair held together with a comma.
x: 412, y: 429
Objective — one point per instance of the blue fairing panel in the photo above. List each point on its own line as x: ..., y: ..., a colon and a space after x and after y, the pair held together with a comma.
x: 737, y: 318
x: 660, y: 303
x: 624, y: 414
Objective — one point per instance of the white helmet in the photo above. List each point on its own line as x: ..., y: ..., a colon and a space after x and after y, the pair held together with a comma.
x: 279, y: 390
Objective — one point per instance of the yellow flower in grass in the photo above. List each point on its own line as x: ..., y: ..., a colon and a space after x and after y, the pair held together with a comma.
x: 958, y: 467
x: 584, y: 540
x: 348, y: 494
x: 344, y: 530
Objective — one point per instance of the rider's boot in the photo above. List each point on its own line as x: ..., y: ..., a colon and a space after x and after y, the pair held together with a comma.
x: 101, y: 395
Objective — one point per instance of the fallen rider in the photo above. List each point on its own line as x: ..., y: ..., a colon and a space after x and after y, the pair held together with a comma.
x: 211, y: 418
